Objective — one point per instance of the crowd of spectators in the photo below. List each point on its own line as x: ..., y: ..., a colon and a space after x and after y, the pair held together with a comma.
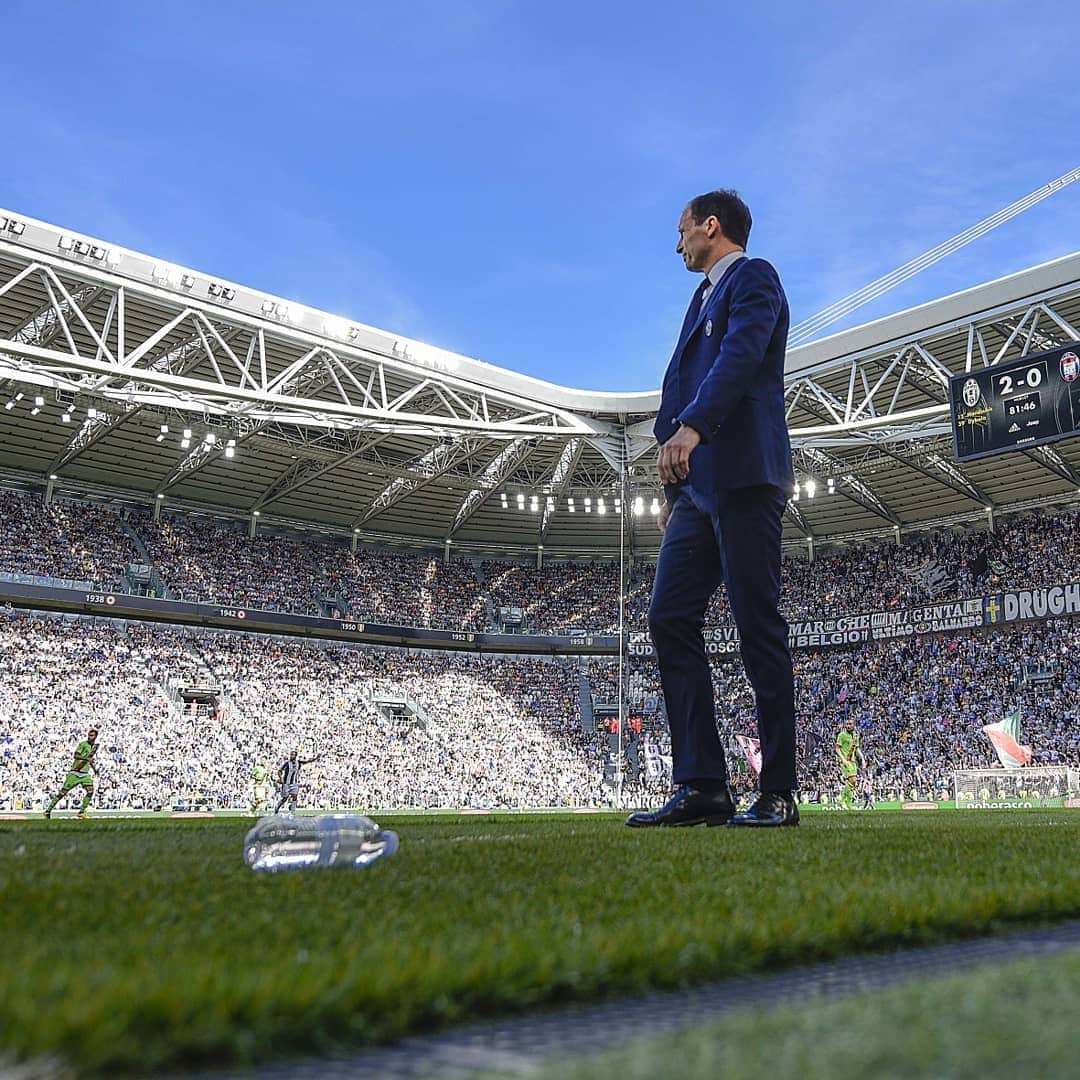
x: 204, y: 559
x: 475, y: 731
x: 64, y: 540
x: 420, y: 729
x: 919, y: 705
x: 218, y: 562
x: 483, y: 731
x: 560, y: 599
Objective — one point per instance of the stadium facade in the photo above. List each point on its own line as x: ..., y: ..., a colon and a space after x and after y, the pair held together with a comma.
x: 127, y: 377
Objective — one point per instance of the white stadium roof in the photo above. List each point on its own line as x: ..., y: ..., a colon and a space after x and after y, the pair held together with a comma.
x: 168, y: 386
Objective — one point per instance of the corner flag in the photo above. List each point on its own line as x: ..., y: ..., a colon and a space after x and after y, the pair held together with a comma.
x: 1005, y: 735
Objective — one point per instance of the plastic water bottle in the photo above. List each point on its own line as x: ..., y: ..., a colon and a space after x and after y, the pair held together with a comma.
x: 288, y: 843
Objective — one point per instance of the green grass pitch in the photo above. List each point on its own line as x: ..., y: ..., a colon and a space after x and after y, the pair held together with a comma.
x: 146, y: 945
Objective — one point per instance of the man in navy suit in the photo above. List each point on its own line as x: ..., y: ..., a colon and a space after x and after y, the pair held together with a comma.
x: 725, y: 462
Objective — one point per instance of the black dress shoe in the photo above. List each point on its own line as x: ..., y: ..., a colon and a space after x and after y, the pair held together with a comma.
x: 770, y: 809
x: 687, y: 806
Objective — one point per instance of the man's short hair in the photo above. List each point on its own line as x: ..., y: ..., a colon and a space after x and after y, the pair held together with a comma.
x: 726, y: 206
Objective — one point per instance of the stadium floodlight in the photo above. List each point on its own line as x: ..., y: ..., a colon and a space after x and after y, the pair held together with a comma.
x: 39, y: 401
x: 502, y: 499
x: 160, y: 496
x: 187, y: 433
x: 588, y: 505
x: 10, y: 405
x: 520, y: 501
x: 654, y: 507
x: 550, y: 504
x: 210, y: 438
x: 831, y: 485
x: 53, y: 476
x: 17, y: 227
x: 255, y: 513
x: 267, y: 307
x: 601, y: 506
x: 35, y: 410
x: 185, y: 443
x: 534, y: 503
x: 164, y: 429
x: 160, y: 438
x: 639, y: 506
x: 65, y: 418
x: 230, y: 451
x: 65, y: 243
x: 618, y: 506
x: 811, y: 488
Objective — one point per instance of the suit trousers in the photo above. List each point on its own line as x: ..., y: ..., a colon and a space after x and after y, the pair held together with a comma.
x: 737, y: 542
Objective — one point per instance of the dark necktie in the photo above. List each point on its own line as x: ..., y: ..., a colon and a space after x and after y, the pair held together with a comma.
x: 694, y: 310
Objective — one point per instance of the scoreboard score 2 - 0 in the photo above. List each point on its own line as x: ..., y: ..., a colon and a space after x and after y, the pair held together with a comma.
x: 1016, y: 405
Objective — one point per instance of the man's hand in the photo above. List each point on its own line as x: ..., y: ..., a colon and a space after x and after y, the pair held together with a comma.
x: 674, y: 462
x: 665, y: 513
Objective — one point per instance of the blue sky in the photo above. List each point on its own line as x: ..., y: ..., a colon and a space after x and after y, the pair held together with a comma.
x: 503, y: 179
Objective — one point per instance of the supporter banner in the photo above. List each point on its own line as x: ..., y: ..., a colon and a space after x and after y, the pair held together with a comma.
x: 1046, y: 602
x: 124, y: 606
x: 848, y: 629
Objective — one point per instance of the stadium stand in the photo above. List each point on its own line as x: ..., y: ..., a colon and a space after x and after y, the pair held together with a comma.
x: 468, y: 730
x: 216, y: 561
x: 475, y: 731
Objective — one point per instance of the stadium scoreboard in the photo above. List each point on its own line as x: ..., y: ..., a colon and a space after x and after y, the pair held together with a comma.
x: 1016, y: 405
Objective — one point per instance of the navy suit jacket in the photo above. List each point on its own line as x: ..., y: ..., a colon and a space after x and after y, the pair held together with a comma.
x: 726, y: 381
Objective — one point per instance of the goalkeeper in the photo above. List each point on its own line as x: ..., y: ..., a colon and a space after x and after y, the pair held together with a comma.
x: 851, y: 759
x: 79, y: 775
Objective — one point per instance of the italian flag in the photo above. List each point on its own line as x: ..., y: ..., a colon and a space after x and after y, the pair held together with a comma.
x: 1005, y: 735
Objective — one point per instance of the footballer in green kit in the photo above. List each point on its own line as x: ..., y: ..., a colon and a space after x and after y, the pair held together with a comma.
x: 79, y: 776
x: 850, y: 755
x: 261, y: 791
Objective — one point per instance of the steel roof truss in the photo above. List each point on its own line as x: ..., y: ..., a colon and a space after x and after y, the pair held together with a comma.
x: 561, y: 476
x: 503, y: 465
x: 428, y: 467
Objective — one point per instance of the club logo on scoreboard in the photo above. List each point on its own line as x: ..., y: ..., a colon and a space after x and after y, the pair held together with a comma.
x: 971, y: 393
x: 1070, y: 366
